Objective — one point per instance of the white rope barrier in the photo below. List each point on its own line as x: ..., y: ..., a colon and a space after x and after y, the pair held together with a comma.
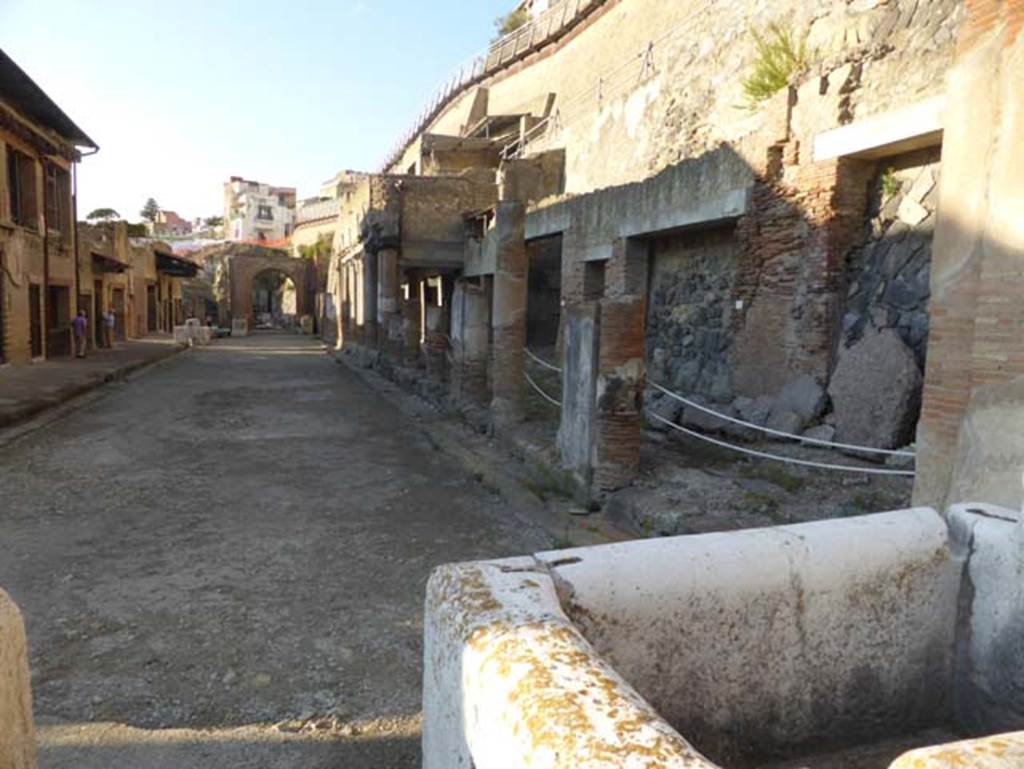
x: 780, y: 433
x: 541, y: 362
x: 778, y: 458
x: 541, y: 392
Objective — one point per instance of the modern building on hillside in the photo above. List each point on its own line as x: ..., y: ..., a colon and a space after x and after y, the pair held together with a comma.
x: 169, y: 224
x: 535, y: 7
x: 258, y: 212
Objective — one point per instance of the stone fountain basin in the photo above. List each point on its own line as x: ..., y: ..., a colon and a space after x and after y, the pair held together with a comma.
x: 735, y: 649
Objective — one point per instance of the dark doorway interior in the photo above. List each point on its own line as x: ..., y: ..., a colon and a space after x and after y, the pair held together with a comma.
x: 35, y: 323
x: 544, y: 302
x: 2, y: 359
x: 151, y: 309
x: 97, y: 315
x: 119, y: 319
x: 58, y: 322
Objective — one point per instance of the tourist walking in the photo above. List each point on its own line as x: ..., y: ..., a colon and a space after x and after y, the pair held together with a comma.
x: 78, y: 326
x: 109, y: 324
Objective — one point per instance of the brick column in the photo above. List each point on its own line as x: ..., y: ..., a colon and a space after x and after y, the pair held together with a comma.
x: 389, y: 321
x: 626, y: 272
x: 976, y: 339
x: 509, y: 314
x: 369, y: 295
x: 619, y: 396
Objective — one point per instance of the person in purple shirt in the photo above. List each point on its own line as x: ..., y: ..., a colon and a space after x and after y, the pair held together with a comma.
x: 78, y: 325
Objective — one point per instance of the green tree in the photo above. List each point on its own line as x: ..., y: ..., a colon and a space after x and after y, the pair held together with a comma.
x: 509, y: 23
x: 150, y: 210
x: 214, y: 221
x: 103, y: 215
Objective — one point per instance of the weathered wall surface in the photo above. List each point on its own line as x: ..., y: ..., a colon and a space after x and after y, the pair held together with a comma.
x: 624, y: 115
x: 22, y: 260
x: 17, y: 734
x: 762, y: 642
x: 990, y: 678
x: 245, y: 267
x: 977, y: 276
x: 753, y: 645
x: 509, y: 681
x: 433, y: 230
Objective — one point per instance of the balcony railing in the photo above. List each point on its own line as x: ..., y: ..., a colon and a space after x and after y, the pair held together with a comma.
x: 562, y: 16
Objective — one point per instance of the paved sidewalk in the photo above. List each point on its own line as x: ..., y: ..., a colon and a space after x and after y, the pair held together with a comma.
x: 28, y: 390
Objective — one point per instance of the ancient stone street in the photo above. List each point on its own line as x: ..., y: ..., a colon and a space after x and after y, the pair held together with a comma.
x: 235, y: 540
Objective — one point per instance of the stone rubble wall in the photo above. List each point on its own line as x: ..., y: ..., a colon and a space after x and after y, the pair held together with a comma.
x: 689, y: 329
x: 888, y: 276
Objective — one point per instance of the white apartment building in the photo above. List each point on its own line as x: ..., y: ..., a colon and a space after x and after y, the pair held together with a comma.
x: 254, y: 211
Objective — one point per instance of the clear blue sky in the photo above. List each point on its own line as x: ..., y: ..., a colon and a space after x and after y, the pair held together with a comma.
x: 182, y: 94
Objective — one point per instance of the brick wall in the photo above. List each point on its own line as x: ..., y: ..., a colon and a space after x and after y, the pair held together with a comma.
x: 977, y: 318
x: 620, y: 385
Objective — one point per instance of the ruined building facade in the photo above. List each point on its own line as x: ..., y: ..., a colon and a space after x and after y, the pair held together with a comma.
x: 52, y: 267
x: 619, y: 203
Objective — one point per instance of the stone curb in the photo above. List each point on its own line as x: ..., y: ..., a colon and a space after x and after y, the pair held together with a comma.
x: 38, y: 407
x: 487, y: 460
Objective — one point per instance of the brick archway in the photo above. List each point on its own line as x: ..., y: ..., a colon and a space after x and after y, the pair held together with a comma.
x: 245, y: 267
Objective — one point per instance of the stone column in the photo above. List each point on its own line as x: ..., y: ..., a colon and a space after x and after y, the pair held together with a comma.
x: 509, y: 318
x: 470, y: 341
x: 412, y: 328
x: 369, y: 293
x: 579, y: 389
x: 388, y: 306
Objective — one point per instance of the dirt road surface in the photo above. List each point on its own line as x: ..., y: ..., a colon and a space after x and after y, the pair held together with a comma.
x: 222, y: 562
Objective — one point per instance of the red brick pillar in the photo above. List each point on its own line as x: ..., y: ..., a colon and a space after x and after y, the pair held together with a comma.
x: 509, y: 313
x: 620, y: 387
x: 976, y: 337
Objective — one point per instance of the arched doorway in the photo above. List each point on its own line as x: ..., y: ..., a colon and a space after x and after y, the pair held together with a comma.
x: 268, y: 286
x: 274, y: 300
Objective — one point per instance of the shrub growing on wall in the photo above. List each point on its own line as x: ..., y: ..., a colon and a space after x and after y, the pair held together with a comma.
x: 781, y: 56
x: 506, y: 25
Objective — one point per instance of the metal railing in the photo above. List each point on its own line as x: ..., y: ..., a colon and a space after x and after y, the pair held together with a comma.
x: 549, y: 25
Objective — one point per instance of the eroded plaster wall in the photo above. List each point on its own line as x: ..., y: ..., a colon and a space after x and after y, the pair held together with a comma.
x: 624, y: 114
x: 976, y: 352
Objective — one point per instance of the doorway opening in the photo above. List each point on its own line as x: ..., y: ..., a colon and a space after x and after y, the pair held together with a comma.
x: 274, y: 300
x: 58, y: 322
